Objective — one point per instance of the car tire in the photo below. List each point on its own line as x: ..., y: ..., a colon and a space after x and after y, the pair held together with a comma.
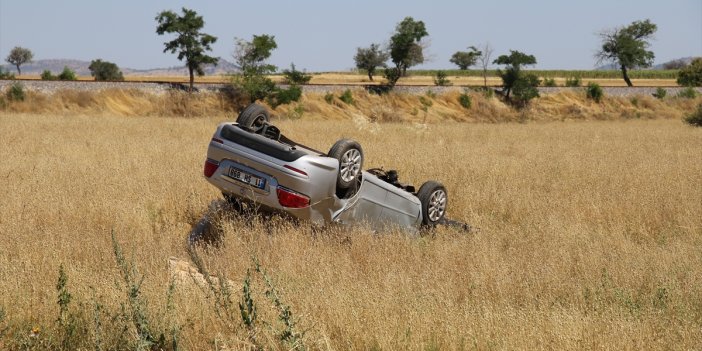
x: 434, y: 201
x: 350, y: 156
x: 253, y: 117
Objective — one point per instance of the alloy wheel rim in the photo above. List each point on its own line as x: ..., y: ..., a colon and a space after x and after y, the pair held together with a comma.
x: 437, y: 205
x: 350, y: 165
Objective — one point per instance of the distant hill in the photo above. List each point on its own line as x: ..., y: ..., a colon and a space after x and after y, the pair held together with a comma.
x: 81, y: 68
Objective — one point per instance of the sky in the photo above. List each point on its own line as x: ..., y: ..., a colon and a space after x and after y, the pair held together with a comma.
x: 323, y: 36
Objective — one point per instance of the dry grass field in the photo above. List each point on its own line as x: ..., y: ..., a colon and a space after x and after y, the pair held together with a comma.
x: 589, y: 238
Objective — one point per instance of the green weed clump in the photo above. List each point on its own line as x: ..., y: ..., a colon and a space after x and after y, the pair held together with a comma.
x: 347, y: 97
x: 594, y: 92
x: 688, y: 93
x: 16, y: 92
x: 137, y: 309
x: 660, y: 93
x: 329, y: 97
x: 465, y: 101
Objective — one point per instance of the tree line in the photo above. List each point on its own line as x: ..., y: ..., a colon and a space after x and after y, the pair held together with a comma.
x: 626, y: 47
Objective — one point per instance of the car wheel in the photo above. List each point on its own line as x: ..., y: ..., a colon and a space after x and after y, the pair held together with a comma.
x: 434, y: 200
x: 350, y: 156
x: 254, y: 117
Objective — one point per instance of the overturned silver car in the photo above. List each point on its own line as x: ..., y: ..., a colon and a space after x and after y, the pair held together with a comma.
x: 257, y: 167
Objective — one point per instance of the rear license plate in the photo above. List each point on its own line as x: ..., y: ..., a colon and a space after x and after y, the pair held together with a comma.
x: 246, y: 177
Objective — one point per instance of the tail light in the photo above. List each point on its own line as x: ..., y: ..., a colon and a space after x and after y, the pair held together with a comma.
x: 210, y: 167
x: 291, y: 199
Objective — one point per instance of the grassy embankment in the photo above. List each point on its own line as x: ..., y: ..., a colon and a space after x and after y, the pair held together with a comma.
x: 589, y: 231
x: 427, y: 108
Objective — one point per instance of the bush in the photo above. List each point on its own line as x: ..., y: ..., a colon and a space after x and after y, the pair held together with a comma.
x: 254, y: 86
x: 635, y: 101
x: 46, y: 75
x: 573, y: 82
x: 688, y: 93
x: 347, y: 97
x: 691, y: 76
x: 660, y: 93
x: 16, y: 92
x: 549, y: 82
x: 6, y: 74
x: 465, y: 101
x: 67, y: 74
x: 285, y: 96
x: 441, y: 79
x: 695, y: 118
x: 329, y: 97
x: 293, y: 76
x: 594, y: 92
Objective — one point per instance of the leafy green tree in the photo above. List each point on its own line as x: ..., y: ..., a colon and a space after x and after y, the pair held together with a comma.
x: 371, y: 58
x: 465, y: 59
x: 405, y: 47
x: 691, y: 75
x: 105, y: 70
x: 19, y: 56
x: 190, y: 43
x: 627, y: 47
x: 514, y: 81
x: 250, y: 58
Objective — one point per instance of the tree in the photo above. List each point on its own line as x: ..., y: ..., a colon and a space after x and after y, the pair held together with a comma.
x: 19, y: 56
x: 190, y: 43
x: 675, y: 64
x: 485, y: 55
x: 465, y: 59
x: 405, y: 48
x: 626, y: 47
x: 105, y: 70
x: 250, y: 58
x: 514, y: 80
x: 371, y: 58
x: 691, y: 76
